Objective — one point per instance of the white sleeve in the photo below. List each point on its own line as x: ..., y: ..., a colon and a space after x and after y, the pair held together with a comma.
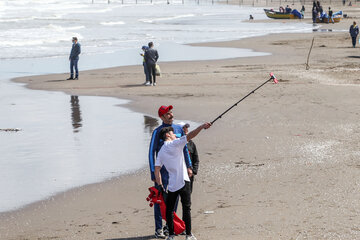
x: 180, y: 142
x: 158, y: 162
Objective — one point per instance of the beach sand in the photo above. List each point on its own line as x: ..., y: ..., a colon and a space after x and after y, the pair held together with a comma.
x: 283, y: 164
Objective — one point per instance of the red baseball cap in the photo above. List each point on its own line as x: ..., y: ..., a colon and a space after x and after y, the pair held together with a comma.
x: 164, y: 109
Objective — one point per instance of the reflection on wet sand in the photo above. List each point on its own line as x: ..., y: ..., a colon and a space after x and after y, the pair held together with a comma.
x: 75, y: 113
x: 150, y: 124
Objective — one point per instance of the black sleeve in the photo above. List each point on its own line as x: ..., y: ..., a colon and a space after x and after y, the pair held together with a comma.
x: 156, y: 55
x: 195, y: 159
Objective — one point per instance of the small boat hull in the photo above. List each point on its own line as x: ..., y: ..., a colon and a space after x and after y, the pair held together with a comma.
x: 279, y: 15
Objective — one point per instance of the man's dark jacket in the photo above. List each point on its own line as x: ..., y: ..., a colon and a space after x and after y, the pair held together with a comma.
x: 75, y: 51
x: 193, y: 156
x: 151, y: 56
x: 354, y: 31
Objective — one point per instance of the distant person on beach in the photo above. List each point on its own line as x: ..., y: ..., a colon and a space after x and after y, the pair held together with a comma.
x: 302, y: 11
x: 330, y: 16
x: 194, y: 157
x: 281, y: 9
x: 151, y: 57
x: 354, y: 31
x: 167, y: 117
x: 287, y: 9
x: 146, y: 70
x: 251, y: 17
x: 171, y: 156
x: 74, y: 59
x: 314, y: 12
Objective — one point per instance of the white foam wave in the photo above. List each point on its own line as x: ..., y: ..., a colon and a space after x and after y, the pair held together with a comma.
x: 166, y: 18
x: 37, y: 36
x: 112, y: 23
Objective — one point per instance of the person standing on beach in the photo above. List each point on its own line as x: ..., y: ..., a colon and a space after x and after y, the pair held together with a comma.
x: 354, y: 31
x: 314, y: 12
x: 171, y: 156
x: 151, y: 57
x: 194, y: 157
x: 330, y: 15
x: 166, y: 115
x: 146, y: 70
x: 74, y: 59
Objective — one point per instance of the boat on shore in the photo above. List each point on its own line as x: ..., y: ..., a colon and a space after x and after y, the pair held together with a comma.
x: 282, y: 15
x: 325, y: 18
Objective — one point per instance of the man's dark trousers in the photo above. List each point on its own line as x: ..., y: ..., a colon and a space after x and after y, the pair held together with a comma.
x: 152, y: 71
x: 353, y: 41
x: 185, y: 195
x: 74, y: 64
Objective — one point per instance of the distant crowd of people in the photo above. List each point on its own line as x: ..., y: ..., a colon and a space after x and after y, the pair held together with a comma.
x: 319, y: 13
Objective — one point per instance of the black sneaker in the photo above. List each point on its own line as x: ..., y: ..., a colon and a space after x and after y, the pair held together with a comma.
x: 70, y: 78
x: 166, y: 230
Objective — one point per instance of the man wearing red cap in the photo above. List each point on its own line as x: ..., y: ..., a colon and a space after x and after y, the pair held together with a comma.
x: 166, y: 115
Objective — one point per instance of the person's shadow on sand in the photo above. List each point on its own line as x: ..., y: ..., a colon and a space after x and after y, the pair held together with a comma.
x: 134, y: 238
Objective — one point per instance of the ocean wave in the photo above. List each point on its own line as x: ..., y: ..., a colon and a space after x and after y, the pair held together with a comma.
x: 165, y: 18
x: 112, y: 23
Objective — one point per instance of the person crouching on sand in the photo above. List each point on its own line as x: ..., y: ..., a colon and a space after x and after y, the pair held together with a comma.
x: 171, y: 156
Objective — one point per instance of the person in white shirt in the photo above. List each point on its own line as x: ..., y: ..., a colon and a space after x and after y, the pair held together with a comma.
x: 171, y: 156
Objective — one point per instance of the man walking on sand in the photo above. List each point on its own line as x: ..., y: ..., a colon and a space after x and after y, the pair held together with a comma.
x: 166, y: 115
x: 74, y: 59
x: 171, y: 156
x: 354, y: 31
x: 151, y: 57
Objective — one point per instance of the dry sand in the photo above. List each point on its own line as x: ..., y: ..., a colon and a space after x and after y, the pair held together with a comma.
x: 284, y: 164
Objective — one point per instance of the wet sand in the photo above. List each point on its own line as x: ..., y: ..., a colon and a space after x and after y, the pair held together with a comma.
x: 283, y: 164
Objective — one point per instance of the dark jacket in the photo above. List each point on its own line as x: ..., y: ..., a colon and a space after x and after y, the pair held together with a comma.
x: 354, y: 31
x: 151, y: 56
x: 194, y: 157
x: 75, y: 51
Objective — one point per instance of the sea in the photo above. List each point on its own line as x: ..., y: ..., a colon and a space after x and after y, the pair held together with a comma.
x: 66, y: 141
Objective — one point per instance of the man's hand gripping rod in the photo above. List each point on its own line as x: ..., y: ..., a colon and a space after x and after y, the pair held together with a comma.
x: 272, y: 77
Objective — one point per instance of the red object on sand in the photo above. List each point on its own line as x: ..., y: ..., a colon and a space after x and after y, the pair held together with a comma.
x: 273, y: 78
x: 156, y: 197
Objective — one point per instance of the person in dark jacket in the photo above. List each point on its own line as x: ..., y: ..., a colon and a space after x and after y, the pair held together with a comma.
x: 74, y: 59
x: 194, y: 157
x: 151, y: 57
x: 354, y: 31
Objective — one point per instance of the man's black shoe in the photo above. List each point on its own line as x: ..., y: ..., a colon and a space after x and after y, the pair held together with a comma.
x: 70, y: 78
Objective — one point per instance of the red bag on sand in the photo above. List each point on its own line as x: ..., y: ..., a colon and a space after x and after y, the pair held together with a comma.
x: 156, y: 197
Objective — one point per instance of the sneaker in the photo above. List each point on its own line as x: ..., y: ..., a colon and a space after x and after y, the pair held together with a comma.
x: 70, y: 78
x: 154, y: 84
x: 159, y: 233
x: 190, y: 237
x: 166, y: 230
x: 147, y: 84
x: 172, y: 237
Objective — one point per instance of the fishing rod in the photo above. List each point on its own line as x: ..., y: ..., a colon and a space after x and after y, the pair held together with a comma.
x: 272, y: 77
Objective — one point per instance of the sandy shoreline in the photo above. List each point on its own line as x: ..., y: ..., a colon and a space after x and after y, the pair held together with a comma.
x: 282, y: 165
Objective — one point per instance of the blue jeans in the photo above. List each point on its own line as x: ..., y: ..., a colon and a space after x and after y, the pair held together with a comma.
x: 74, y: 64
